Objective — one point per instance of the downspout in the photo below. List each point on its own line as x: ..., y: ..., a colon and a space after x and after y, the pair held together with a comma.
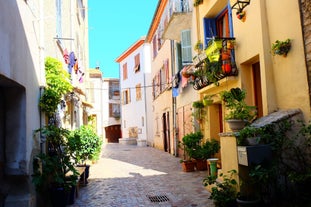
x: 175, y: 131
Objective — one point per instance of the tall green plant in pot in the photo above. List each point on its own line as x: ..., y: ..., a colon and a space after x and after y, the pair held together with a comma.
x: 53, y: 171
x: 205, y: 150
x: 239, y: 113
x: 84, y: 144
x: 190, y: 143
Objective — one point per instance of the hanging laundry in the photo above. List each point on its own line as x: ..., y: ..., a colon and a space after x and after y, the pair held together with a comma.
x: 184, y: 81
x: 80, y: 71
x: 72, y: 61
x: 76, y: 67
x: 66, y: 56
x: 176, y: 80
x: 175, y: 91
x: 80, y: 76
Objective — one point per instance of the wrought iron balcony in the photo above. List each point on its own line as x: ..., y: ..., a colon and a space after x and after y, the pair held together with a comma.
x: 216, y: 62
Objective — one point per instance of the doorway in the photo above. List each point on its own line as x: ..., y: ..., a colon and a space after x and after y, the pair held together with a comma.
x: 166, y: 132
x: 257, y: 88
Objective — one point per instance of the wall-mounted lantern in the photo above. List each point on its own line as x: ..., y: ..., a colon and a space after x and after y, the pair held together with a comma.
x: 239, y: 6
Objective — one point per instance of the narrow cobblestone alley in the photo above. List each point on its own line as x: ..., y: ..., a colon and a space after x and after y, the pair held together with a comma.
x: 132, y: 176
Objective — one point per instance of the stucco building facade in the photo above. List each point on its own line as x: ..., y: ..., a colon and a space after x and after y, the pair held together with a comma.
x: 31, y: 31
x: 135, y: 91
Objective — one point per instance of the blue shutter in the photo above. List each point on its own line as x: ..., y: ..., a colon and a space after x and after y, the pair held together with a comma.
x: 209, y: 30
x: 230, y: 19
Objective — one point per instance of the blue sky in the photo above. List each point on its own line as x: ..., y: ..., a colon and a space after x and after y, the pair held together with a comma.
x: 113, y: 27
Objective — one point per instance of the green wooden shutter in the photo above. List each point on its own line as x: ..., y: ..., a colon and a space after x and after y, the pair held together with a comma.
x: 186, y: 47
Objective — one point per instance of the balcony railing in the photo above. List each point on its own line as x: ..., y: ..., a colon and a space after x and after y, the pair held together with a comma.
x: 179, y: 6
x: 180, y: 14
x: 215, y: 63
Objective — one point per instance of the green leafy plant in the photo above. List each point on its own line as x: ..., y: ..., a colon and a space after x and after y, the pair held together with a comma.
x: 199, y: 110
x: 197, y: 2
x: 224, y: 191
x: 190, y: 142
x: 84, y: 144
x: 58, y: 84
x: 206, y: 149
x: 281, y: 47
x: 50, y: 168
x: 234, y: 100
x: 249, y: 132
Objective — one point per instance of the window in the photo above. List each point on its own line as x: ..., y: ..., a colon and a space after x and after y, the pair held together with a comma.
x: 124, y: 71
x: 113, y: 89
x: 126, y: 96
x: 138, y: 92
x: 154, y: 46
x: 186, y: 47
x: 220, y: 26
x: 137, y: 63
x: 114, y: 110
x: 162, y: 80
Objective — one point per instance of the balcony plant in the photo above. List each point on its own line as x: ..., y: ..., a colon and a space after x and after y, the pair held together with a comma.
x: 197, y: 2
x: 239, y: 113
x: 281, y: 47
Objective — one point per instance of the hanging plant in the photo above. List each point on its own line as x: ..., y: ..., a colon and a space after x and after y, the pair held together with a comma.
x: 281, y: 47
x: 197, y: 2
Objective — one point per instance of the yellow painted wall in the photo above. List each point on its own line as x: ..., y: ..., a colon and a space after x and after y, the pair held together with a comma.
x: 163, y: 103
x: 283, y: 79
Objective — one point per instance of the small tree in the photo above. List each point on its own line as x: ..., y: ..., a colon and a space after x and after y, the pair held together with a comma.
x: 84, y: 144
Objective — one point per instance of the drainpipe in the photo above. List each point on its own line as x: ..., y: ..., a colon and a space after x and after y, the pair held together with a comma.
x: 175, y: 132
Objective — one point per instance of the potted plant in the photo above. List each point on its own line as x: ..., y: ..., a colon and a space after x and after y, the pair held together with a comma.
x: 197, y: 2
x: 190, y: 142
x: 249, y: 135
x: 281, y: 47
x: 205, y: 151
x: 54, y: 175
x: 239, y: 113
x: 84, y: 144
x: 224, y: 190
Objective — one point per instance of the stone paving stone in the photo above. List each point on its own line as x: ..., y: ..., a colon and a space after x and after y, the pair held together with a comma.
x: 127, y: 175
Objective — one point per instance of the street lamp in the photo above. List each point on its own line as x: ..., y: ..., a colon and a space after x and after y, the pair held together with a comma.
x: 239, y: 6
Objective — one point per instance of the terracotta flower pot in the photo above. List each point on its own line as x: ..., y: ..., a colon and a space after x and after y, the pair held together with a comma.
x: 188, y: 165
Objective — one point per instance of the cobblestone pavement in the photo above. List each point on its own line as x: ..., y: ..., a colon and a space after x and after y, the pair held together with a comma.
x: 133, y: 176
